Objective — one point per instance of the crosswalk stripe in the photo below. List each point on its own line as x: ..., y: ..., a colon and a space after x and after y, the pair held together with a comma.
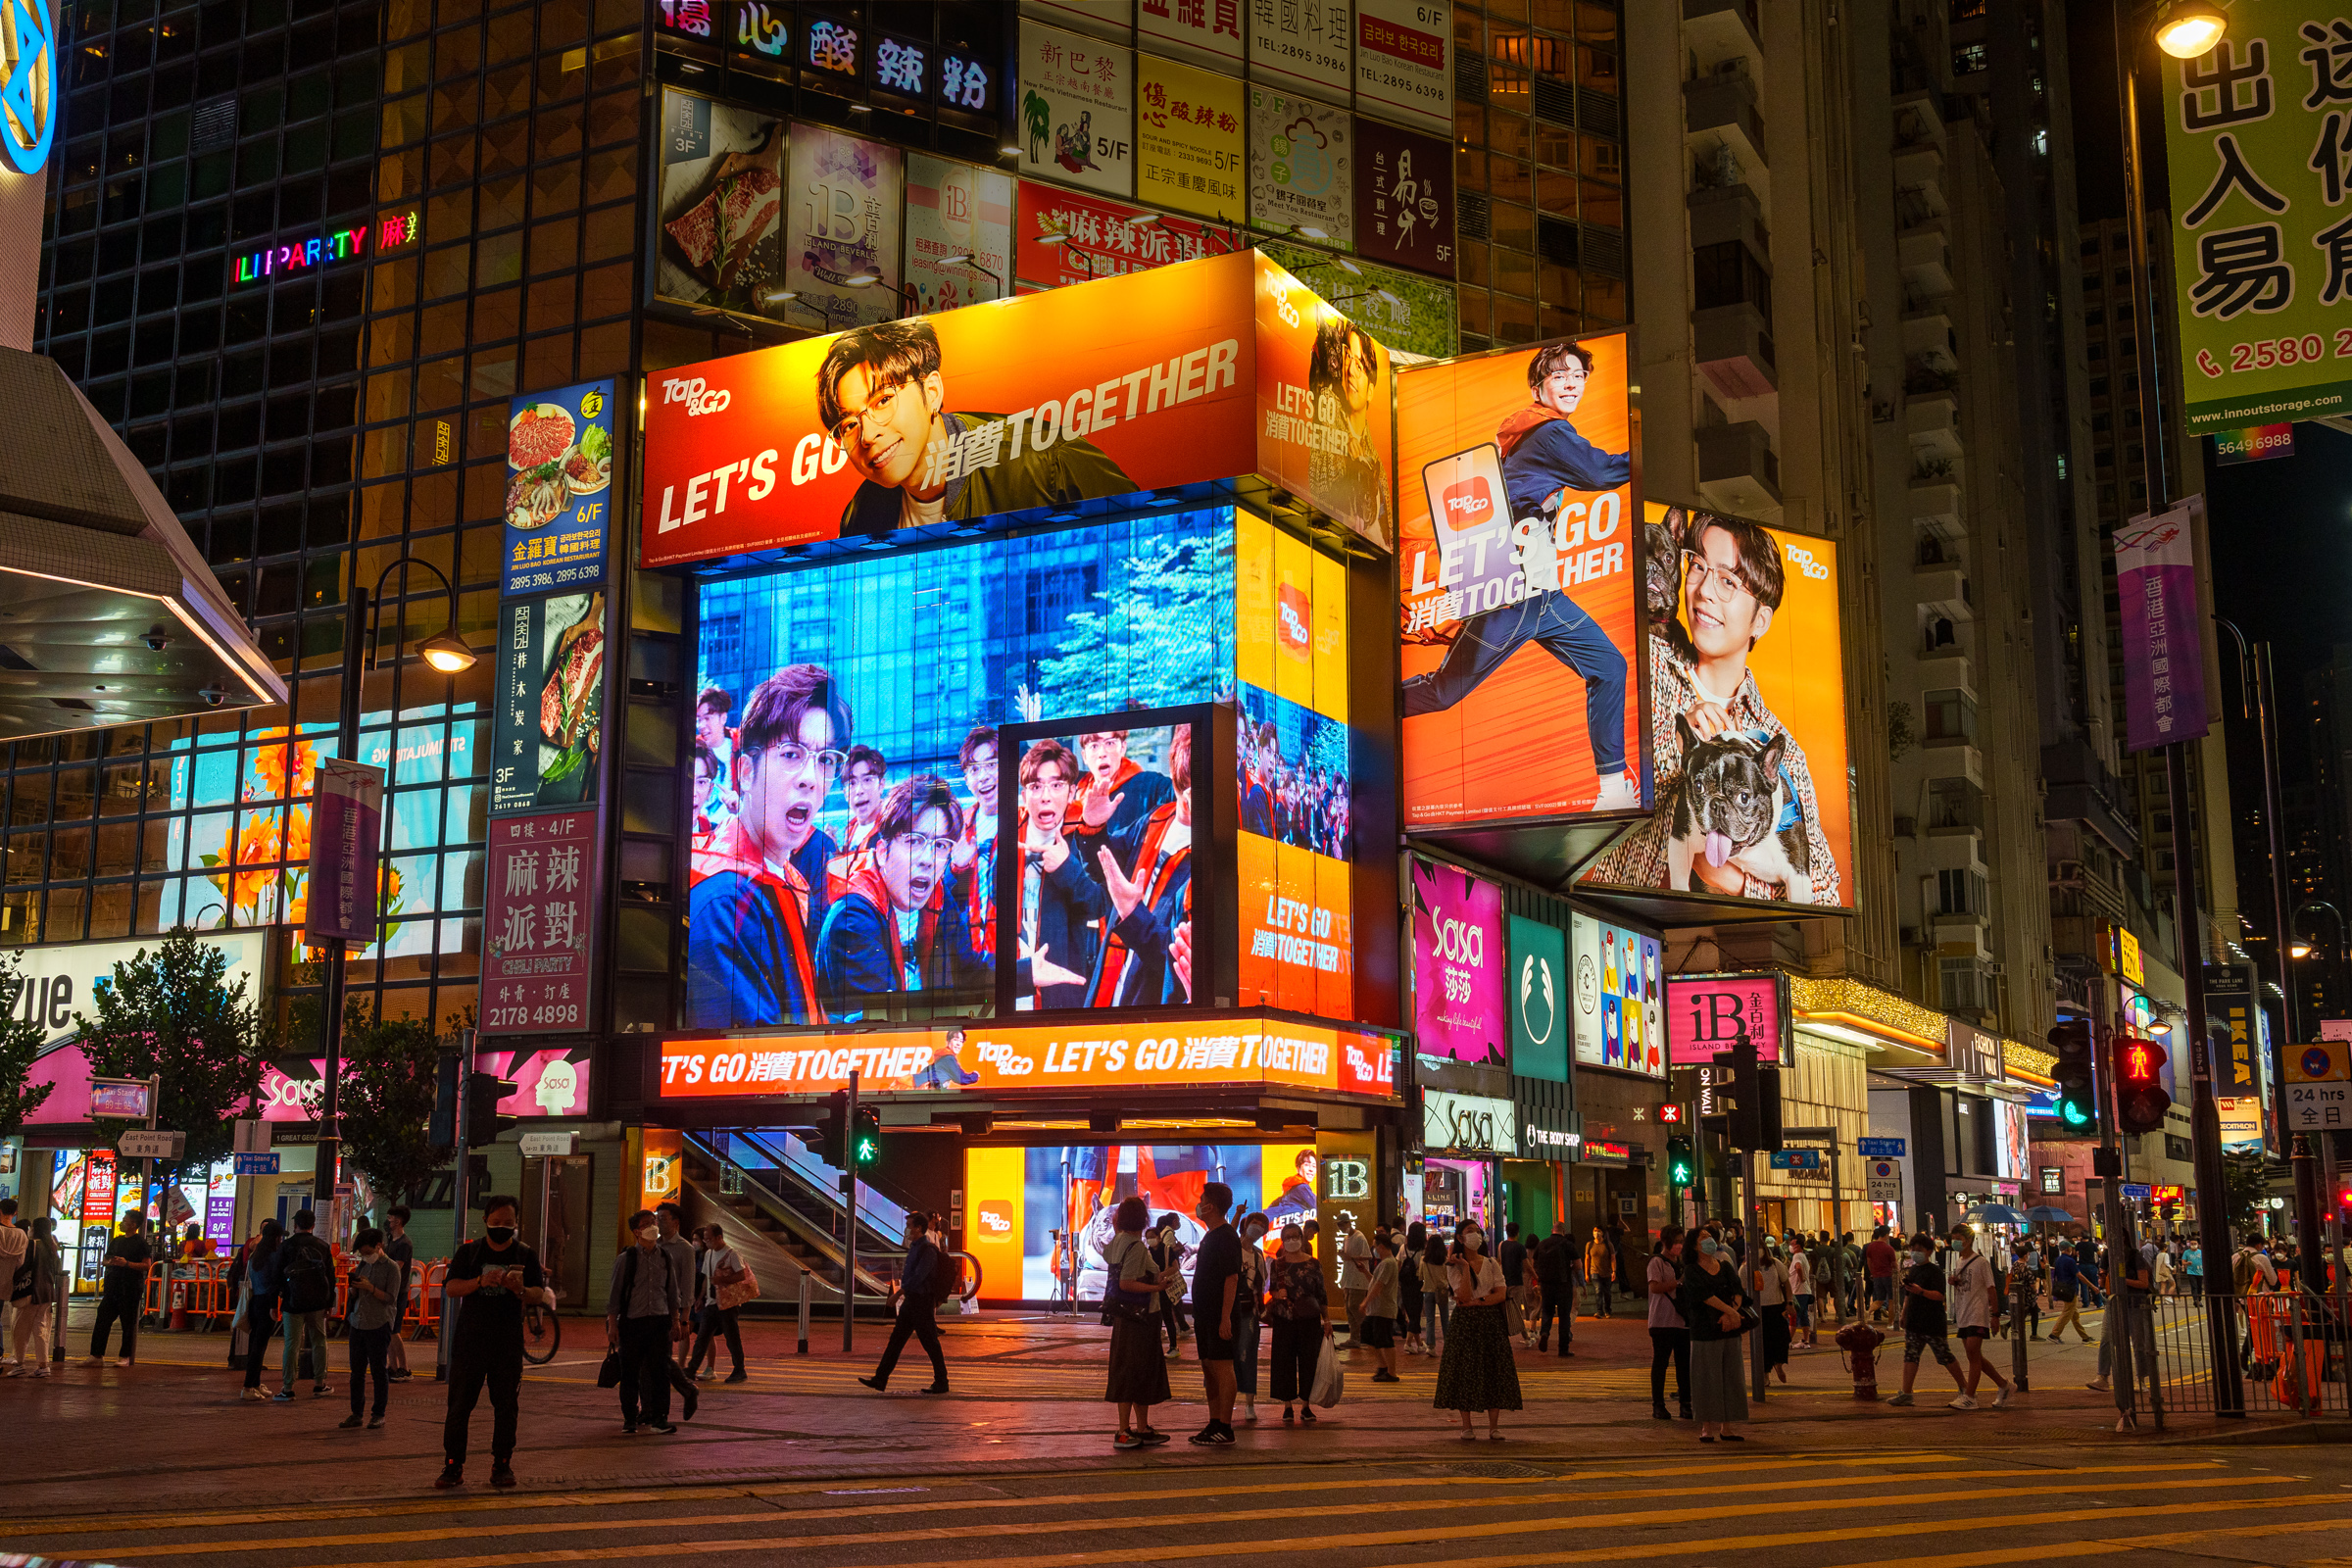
x: 47, y: 1528
x: 1024, y: 1527
x: 2108, y: 1545
x: 1487, y: 1528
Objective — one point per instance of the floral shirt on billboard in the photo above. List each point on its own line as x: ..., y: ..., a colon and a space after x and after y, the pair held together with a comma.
x: 1639, y: 859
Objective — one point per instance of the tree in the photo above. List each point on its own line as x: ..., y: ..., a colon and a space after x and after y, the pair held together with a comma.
x: 1164, y: 633
x: 386, y: 1095
x: 167, y: 1016
x: 21, y: 1040
x: 2246, y: 1179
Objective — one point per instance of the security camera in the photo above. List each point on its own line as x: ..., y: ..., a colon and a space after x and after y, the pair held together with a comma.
x: 157, y: 642
x: 213, y: 695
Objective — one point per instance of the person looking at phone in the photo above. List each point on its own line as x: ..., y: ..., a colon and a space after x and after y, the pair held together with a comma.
x: 490, y: 1280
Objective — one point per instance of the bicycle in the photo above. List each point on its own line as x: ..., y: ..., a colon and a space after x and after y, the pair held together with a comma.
x: 542, y: 1334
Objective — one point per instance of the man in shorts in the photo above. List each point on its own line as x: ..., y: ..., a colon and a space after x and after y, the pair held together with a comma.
x: 1923, y: 1323
x: 1877, y: 1263
x: 1972, y: 1294
x: 1217, y: 1281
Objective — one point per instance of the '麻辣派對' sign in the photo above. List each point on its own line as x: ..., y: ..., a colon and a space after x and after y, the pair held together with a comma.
x: 2164, y: 658
x: 340, y: 245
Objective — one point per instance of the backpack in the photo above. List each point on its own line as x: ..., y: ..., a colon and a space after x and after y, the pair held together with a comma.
x: 307, y: 1282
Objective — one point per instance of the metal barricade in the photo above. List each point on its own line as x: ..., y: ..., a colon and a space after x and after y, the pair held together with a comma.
x: 2289, y: 1348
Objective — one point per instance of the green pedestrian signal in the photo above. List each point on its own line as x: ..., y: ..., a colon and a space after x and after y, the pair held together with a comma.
x: 865, y: 1138
x: 1679, y: 1164
x: 2074, y: 1075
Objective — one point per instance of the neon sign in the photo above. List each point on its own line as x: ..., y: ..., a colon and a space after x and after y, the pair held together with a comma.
x: 340, y: 246
x: 28, y: 84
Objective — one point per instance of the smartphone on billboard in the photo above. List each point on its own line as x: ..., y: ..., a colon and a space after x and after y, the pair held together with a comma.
x: 1471, y: 513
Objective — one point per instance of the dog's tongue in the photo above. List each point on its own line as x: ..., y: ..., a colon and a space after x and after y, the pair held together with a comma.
x: 1719, y: 848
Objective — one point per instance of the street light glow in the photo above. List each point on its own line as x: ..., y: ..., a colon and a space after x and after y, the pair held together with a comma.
x: 447, y: 654
x: 2191, y: 30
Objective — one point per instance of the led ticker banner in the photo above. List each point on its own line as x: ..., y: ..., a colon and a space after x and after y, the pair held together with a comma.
x: 1747, y: 719
x: 986, y: 1060
x: 1706, y: 1013
x: 1518, y: 557
x: 1221, y: 367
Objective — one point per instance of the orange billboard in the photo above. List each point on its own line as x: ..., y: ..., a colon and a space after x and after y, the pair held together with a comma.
x: 1519, y: 555
x: 1204, y: 370
x: 1747, y: 719
x: 982, y: 1059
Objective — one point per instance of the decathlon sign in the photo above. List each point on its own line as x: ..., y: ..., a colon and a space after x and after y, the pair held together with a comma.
x: 1473, y: 1123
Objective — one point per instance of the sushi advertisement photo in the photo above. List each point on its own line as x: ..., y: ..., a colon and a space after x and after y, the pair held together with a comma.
x: 558, y: 489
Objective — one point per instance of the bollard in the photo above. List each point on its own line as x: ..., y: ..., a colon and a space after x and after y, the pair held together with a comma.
x: 1859, y: 1342
x: 804, y: 1312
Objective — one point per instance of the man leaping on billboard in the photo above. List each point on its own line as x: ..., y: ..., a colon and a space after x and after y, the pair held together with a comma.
x: 748, y: 956
x: 883, y: 397
x: 1545, y: 462
x: 1736, y: 810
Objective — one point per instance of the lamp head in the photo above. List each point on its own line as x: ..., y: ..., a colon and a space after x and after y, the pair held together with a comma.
x: 2190, y: 28
x: 863, y: 278
x: 448, y: 654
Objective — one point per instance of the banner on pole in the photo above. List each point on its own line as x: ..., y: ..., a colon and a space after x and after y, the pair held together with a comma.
x: 2164, y: 643
x: 347, y: 835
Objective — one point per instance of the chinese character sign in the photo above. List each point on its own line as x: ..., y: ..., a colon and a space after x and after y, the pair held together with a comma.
x: 955, y: 210
x: 549, y: 681
x: 1302, y: 168
x: 842, y: 216
x: 2164, y: 658
x: 2258, y: 139
x: 1403, y: 60
x: 1067, y: 237
x: 538, y: 924
x: 1405, y: 197
x: 1209, y: 29
x: 347, y: 835
x: 1188, y: 139
x: 1459, y: 962
x: 1708, y: 1014
x: 559, y: 488
x: 1302, y: 43
x: 720, y: 195
x: 1077, y: 110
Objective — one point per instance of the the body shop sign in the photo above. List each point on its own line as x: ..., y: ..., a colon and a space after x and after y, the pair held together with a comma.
x: 1477, y: 1124
x: 1706, y: 1014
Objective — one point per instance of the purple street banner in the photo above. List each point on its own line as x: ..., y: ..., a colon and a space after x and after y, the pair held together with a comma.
x: 538, y: 924
x: 2164, y: 659
x: 347, y: 835
x: 1459, y: 962
x: 2254, y: 444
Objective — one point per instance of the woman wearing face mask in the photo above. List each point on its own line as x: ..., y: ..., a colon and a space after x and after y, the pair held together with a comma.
x: 1300, y: 1313
x: 1476, y: 1372
x: 1771, y: 1284
x: 1408, y: 1287
x: 1139, y: 1373
x: 1668, y: 1340
x: 1436, y: 1302
x: 1711, y: 1308
x: 1249, y: 1305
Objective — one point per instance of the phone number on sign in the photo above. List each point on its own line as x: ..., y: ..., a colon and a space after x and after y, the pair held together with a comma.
x: 524, y: 1017
x: 2273, y: 353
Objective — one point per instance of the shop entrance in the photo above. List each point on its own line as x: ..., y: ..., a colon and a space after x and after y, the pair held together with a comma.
x: 1530, y: 1196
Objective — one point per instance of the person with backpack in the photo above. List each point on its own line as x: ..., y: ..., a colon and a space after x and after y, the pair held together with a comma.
x: 306, y: 1274
x: 488, y: 1282
x: 926, y: 1279
x: 40, y: 1281
x: 644, y: 1312
x: 124, y: 1296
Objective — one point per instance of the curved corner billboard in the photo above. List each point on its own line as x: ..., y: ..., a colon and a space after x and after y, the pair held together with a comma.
x: 1204, y: 370
x: 1518, y: 554
x: 1747, y: 719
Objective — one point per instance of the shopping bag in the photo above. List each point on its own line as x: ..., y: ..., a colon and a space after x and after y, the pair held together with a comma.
x: 608, y: 1376
x: 1330, y: 1381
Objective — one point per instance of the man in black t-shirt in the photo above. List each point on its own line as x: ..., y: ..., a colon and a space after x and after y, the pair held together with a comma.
x: 124, y: 1297
x: 1925, y: 1321
x: 491, y: 1278
x: 1217, y: 1282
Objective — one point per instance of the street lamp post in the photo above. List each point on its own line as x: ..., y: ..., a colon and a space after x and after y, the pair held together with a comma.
x: 2182, y: 30
x: 447, y: 654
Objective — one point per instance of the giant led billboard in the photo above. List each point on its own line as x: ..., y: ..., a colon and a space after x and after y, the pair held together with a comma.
x: 1518, y: 555
x: 846, y: 749
x: 1747, y: 719
x: 1205, y: 369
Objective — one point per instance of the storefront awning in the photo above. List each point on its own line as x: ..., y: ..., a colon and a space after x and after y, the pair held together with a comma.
x: 109, y: 614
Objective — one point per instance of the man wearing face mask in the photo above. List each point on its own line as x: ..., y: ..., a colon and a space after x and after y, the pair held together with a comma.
x: 1925, y: 1323
x: 643, y: 1309
x: 1216, y: 1284
x: 490, y: 1280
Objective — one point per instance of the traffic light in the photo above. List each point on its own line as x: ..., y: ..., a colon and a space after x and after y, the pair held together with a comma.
x: 2078, y: 1095
x: 865, y: 1142
x: 483, y: 1092
x: 1768, y: 1109
x: 1680, y: 1168
x: 442, y: 1130
x: 2139, y: 1099
x: 833, y: 1129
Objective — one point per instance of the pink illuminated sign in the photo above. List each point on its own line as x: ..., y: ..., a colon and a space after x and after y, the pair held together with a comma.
x: 1706, y: 1013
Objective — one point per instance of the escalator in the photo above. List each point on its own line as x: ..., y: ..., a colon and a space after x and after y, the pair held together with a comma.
x: 782, y: 1210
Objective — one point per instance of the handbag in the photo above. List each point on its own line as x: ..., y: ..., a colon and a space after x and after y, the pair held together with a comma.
x: 1329, y: 1380
x: 746, y: 1285
x: 608, y: 1376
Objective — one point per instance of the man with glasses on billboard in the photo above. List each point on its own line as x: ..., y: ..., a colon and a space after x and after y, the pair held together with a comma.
x: 1063, y: 907
x: 1732, y: 581
x: 883, y: 400
x: 750, y: 959
x: 894, y: 928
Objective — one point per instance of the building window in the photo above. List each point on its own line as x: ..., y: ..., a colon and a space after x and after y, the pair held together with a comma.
x: 1961, y: 986
x: 1962, y: 892
x: 1969, y: 59
x: 1951, y: 716
x: 1728, y: 272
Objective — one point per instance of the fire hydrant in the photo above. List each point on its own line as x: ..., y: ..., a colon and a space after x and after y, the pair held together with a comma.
x: 179, y: 1307
x: 1860, y: 1343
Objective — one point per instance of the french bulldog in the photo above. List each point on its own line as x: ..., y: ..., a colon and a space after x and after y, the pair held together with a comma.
x: 1726, y: 805
x: 1661, y: 577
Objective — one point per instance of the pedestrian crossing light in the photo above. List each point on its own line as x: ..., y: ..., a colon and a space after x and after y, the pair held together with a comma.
x: 865, y: 1138
x: 2140, y: 1099
x: 1679, y: 1166
x: 2078, y: 1097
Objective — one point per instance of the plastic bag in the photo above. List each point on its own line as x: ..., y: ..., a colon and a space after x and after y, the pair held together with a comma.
x: 1329, y: 1380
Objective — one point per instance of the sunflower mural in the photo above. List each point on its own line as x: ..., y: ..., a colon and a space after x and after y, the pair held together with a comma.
x: 264, y: 861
